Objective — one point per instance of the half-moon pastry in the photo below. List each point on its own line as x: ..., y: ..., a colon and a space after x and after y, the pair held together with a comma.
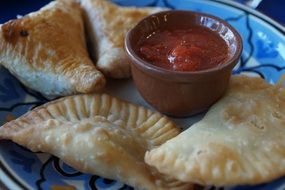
x: 100, y: 135
x: 46, y: 51
x: 241, y: 140
x: 107, y: 25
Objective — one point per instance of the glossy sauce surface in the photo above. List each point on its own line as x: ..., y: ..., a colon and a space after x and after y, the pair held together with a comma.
x: 194, y: 49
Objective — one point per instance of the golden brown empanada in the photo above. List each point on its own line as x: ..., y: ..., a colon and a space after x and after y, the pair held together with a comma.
x: 46, y: 50
x: 241, y: 140
x: 100, y: 135
x: 107, y: 25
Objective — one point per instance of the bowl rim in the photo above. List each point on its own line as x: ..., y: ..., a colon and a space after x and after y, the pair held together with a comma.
x: 137, y: 60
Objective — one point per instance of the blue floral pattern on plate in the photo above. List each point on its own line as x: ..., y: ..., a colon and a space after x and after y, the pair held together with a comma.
x: 263, y: 55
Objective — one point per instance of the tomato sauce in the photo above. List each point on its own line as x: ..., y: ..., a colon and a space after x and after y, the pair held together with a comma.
x: 194, y: 49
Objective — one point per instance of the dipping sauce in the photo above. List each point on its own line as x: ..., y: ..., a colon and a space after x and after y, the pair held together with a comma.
x: 194, y: 49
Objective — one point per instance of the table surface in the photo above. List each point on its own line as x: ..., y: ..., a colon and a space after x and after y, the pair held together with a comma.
x: 10, y: 9
x: 271, y: 8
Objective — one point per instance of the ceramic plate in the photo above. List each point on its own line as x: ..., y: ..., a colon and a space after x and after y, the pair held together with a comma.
x: 263, y: 55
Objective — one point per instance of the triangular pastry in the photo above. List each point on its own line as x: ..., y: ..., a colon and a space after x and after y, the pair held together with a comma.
x: 100, y: 135
x: 46, y: 50
x: 241, y: 140
x: 107, y: 25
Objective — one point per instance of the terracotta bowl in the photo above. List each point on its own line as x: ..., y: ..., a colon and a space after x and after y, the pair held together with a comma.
x: 178, y: 93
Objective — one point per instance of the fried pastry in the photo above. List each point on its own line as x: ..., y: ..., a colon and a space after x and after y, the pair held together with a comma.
x: 107, y: 25
x: 100, y: 135
x: 241, y: 140
x: 46, y: 51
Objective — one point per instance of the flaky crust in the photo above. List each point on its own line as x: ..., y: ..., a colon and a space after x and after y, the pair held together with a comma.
x: 107, y: 25
x: 98, y: 134
x: 241, y: 140
x: 46, y: 51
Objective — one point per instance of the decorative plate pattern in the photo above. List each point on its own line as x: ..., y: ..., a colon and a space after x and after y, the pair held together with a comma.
x: 263, y: 55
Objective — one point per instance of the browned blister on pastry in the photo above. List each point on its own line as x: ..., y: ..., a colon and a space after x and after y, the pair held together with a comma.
x: 107, y: 25
x: 46, y: 50
x: 98, y: 134
x: 241, y: 140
